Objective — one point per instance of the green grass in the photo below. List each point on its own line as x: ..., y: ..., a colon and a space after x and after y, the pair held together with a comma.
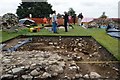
x: 6, y: 36
x: 111, y: 44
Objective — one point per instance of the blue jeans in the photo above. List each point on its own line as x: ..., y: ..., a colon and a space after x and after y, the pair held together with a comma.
x: 54, y: 26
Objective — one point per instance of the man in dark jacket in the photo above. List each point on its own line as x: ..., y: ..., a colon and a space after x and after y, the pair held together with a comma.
x: 66, y: 21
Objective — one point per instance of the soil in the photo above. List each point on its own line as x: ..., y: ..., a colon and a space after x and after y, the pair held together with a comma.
x: 86, y: 47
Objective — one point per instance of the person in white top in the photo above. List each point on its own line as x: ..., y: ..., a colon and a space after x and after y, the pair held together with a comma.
x: 54, y: 22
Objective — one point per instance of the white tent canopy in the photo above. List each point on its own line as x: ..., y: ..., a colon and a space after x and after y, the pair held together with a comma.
x: 21, y: 21
x: 87, y: 19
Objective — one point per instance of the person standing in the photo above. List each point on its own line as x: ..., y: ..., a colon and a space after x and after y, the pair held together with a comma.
x: 80, y: 17
x: 45, y: 20
x: 54, y: 22
x: 66, y: 21
x: 69, y: 21
x: 74, y: 18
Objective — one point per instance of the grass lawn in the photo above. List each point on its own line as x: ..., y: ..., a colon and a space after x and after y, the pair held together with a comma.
x: 111, y: 44
x: 6, y: 36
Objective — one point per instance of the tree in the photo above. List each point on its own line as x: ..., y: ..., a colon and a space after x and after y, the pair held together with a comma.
x: 71, y: 12
x: 36, y: 9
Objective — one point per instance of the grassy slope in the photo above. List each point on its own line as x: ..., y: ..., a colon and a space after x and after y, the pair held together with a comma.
x: 108, y: 42
x: 99, y: 34
x: 6, y: 36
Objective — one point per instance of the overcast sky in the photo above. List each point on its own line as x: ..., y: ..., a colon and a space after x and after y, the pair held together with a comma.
x: 89, y: 8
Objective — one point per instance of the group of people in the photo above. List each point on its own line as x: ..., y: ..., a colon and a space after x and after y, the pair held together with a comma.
x: 54, y: 21
x: 66, y: 21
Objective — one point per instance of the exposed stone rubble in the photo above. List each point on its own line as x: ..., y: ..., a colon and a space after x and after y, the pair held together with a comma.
x: 9, y: 22
x: 94, y: 75
x: 35, y: 64
x: 41, y: 65
x: 56, y: 60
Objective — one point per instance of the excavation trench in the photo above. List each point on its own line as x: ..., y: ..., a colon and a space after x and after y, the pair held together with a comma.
x: 80, y: 57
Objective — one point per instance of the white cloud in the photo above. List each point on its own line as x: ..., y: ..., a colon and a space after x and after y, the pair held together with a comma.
x: 89, y: 8
x: 8, y: 6
x: 119, y: 9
